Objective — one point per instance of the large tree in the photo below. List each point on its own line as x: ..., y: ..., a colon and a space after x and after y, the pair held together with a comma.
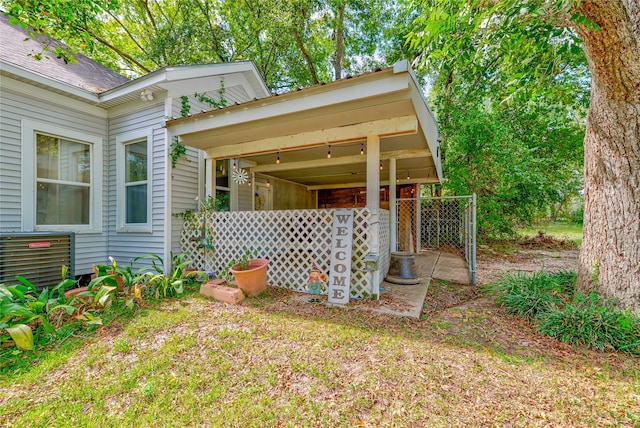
x: 610, y: 34
x: 610, y: 252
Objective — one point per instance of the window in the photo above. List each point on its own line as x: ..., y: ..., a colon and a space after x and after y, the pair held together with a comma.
x: 63, y: 181
x: 59, y: 170
x: 134, y: 197
x: 223, y: 186
x: 135, y: 178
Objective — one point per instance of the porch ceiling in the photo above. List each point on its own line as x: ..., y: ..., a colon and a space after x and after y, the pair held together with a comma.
x: 301, y: 126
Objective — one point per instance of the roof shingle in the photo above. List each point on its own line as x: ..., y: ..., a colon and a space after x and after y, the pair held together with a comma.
x: 16, y: 46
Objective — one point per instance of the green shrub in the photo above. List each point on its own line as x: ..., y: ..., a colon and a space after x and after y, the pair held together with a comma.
x: 593, y: 322
x: 550, y: 301
x: 529, y: 295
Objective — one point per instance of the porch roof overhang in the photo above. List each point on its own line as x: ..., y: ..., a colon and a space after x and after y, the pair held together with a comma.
x: 300, y: 126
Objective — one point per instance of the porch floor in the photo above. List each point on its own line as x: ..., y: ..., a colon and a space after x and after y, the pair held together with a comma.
x: 407, y: 300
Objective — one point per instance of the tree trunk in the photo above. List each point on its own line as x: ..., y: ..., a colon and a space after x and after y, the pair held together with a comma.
x: 610, y: 253
x: 338, y: 35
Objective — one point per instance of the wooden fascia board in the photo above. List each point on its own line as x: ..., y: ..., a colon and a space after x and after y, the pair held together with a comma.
x: 384, y: 128
x: 272, y: 107
x: 343, y: 160
x: 428, y: 180
x: 429, y: 126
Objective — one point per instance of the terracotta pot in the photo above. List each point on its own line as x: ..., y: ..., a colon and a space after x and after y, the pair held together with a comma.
x: 253, y: 280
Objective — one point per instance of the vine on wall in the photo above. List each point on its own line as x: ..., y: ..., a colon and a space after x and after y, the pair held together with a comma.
x: 177, y: 149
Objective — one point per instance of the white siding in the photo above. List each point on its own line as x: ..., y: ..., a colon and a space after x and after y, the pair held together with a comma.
x: 185, y: 178
x: 185, y: 188
x: 245, y: 194
x: 124, y: 246
x: 90, y: 247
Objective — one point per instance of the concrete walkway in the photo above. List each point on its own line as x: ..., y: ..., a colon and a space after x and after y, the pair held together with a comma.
x: 407, y: 300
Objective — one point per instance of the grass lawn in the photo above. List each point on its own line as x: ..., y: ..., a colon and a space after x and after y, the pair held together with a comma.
x: 280, y: 361
x: 561, y: 231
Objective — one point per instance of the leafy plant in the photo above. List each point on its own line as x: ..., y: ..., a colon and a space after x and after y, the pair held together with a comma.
x: 550, y: 301
x: 176, y: 151
x: 203, y: 98
x: 23, y: 308
x: 243, y: 262
x: 529, y: 295
x: 169, y: 283
x: 594, y: 322
x: 185, y: 106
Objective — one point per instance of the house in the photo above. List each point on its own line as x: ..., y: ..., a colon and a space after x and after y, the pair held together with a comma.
x: 84, y: 152
x: 286, y: 162
x: 84, y: 155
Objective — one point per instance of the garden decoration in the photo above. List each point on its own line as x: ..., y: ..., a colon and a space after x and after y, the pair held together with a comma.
x: 316, y: 284
x: 240, y: 176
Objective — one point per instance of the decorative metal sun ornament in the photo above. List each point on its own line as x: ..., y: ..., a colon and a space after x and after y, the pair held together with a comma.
x: 240, y: 176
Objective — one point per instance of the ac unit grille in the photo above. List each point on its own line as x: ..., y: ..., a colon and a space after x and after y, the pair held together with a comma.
x: 36, y: 256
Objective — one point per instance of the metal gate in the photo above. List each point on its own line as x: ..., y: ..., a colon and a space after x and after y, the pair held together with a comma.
x: 445, y: 223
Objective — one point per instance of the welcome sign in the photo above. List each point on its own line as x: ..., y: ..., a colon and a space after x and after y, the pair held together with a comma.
x: 341, y: 241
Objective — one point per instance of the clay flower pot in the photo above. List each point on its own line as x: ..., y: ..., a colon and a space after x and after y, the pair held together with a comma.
x: 253, y: 280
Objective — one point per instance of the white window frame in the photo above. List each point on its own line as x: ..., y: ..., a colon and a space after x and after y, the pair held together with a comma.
x: 121, y: 200
x: 29, y: 129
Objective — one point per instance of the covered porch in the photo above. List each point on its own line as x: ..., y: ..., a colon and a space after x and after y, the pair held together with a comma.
x: 289, y: 161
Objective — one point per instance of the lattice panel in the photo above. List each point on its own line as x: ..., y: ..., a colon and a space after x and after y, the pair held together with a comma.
x: 292, y: 240
x: 384, y: 243
x: 191, y: 241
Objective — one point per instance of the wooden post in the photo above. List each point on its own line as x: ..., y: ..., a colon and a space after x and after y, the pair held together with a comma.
x: 373, y: 205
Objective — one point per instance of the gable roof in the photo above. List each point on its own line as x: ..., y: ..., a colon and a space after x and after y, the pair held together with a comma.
x: 86, y: 74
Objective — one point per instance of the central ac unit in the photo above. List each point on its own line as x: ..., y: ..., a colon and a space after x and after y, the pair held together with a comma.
x: 37, y: 256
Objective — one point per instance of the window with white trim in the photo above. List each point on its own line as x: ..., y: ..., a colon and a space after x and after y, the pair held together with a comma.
x: 134, y: 190
x: 61, y: 178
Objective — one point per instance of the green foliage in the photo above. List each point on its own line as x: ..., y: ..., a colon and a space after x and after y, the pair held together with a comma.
x: 594, y: 322
x: 185, y: 106
x: 550, y: 301
x: 530, y: 295
x: 293, y: 43
x: 510, y: 90
x: 23, y: 308
x: 168, y: 283
x: 176, y: 151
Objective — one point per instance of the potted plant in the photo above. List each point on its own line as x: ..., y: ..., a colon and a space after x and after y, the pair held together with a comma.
x: 250, y: 274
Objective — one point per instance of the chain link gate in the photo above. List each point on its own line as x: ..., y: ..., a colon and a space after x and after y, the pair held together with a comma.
x: 445, y: 223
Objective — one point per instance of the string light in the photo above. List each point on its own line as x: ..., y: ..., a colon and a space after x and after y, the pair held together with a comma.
x: 380, y: 166
x: 408, y: 176
x: 362, y: 149
x: 268, y: 183
x: 234, y: 164
x: 329, y: 152
x: 278, y: 158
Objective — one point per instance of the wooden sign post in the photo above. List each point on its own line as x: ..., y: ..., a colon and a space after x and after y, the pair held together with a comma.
x: 341, y: 241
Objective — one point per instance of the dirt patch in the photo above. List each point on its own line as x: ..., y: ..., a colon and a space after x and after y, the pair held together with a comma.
x: 467, y: 314
x: 542, y: 240
x: 491, y: 266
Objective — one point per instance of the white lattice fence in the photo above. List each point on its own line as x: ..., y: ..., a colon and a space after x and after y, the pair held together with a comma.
x: 292, y: 241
